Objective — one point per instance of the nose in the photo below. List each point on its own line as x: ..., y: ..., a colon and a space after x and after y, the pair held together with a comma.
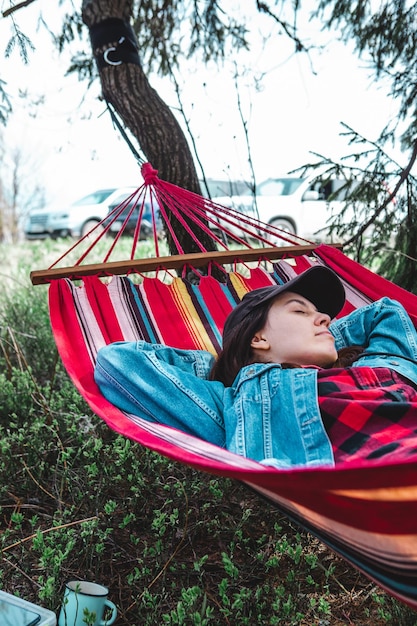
x: 322, y: 319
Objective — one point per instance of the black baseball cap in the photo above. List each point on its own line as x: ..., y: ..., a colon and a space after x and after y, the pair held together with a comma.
x: 320, y: 285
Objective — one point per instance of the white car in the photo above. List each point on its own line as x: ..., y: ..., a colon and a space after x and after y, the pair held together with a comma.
x: 76, y: 219
x: 299, y: 206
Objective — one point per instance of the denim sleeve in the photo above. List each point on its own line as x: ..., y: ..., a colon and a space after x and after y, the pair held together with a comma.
x: 197, y: 362
x: 163, y: 385
x: 383, y: 327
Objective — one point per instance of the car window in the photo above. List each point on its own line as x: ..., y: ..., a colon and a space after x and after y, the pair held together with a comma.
x: 218, y: 188
x: 97, y: 197
x: 279, y: 186
x: 123, y: 199
x: 138, y: 205
x: 335, y: 189
x: 324, y: 188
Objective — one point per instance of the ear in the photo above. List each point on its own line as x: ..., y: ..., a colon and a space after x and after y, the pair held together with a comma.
x: 259, y: 342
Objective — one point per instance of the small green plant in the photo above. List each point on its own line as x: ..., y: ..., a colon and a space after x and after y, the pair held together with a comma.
x: 89, y: 617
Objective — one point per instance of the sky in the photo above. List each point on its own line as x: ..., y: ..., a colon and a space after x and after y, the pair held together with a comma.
x: 289, y: 109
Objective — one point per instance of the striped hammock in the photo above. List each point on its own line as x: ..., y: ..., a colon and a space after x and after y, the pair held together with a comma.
x: 366, y: 513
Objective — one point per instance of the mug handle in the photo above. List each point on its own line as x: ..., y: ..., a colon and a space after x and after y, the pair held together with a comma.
x: 112, y: 618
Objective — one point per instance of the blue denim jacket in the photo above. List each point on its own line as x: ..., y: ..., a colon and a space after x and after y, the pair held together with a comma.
x: 269, y: 414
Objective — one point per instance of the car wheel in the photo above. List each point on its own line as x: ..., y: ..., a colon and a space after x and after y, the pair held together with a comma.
x: 88, y: 226
x: 284, y: 225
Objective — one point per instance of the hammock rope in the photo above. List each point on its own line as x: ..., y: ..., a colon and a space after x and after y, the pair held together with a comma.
x: 365, y: 511
x: 226, y: 227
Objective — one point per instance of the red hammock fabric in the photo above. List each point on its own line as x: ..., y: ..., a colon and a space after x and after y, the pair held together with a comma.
x: 366, y: 513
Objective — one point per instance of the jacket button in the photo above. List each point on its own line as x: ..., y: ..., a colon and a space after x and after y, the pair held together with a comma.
x: 393, y: 363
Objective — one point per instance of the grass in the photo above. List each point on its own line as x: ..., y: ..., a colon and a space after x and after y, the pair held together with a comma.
x: 174, y: 546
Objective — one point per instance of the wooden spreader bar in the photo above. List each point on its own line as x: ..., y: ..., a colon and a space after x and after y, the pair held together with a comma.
x: 198, y: 259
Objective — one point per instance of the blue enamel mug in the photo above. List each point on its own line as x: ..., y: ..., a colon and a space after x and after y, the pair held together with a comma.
x: 86, y: 603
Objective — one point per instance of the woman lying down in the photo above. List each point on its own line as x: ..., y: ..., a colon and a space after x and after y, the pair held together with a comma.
x: 291, y: 387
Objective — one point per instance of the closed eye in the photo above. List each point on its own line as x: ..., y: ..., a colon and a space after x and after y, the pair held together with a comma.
x: 299, y: 306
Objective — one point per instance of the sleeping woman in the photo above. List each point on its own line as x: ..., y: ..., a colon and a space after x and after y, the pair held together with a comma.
x: 291, y: 387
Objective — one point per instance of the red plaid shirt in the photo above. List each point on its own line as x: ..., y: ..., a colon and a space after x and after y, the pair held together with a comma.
x: 369, y: 414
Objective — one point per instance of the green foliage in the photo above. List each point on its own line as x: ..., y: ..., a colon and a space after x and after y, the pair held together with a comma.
x: 175, y: 546
x: 399, y: 261
x: 20, y: 41
x: 21, y: 341
x: 378, y: 224
x: 5, y: 104
x: 72, y: 28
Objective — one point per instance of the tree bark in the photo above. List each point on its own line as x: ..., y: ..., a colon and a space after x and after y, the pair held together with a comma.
x: 126, y: 87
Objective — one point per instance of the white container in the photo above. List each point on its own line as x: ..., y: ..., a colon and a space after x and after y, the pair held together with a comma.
x: 17, y: 612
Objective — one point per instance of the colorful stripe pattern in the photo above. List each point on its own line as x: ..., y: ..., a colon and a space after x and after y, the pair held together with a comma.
x: 366, y: 513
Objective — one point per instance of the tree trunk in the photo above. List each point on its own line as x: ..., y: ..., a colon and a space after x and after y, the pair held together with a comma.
x: 151, y: 121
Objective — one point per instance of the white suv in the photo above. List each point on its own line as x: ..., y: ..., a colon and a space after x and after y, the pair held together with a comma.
x: 299, y: 206
x: 77, y: 219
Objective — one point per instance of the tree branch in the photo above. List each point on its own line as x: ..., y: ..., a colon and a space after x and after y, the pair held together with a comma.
x: 404, y: 175
x: 16, y: 7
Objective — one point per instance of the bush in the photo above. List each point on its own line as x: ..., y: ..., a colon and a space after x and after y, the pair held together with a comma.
x: 173, y: 545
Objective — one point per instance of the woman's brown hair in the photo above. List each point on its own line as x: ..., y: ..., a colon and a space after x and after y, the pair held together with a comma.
x: 237, y: 351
